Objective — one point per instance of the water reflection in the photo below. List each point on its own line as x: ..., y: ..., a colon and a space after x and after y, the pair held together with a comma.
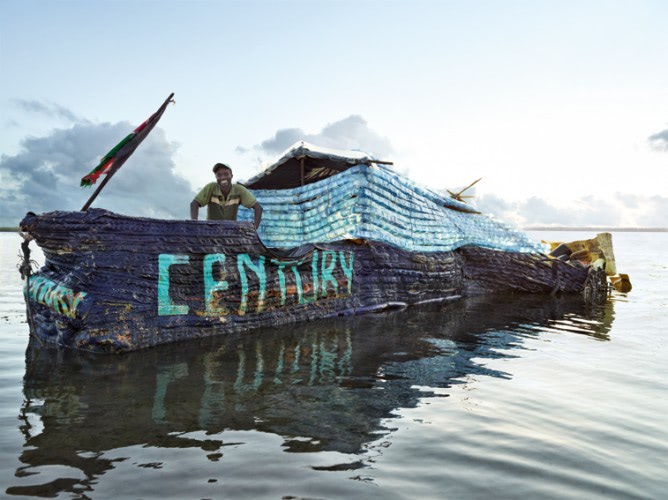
x: 322, y: 386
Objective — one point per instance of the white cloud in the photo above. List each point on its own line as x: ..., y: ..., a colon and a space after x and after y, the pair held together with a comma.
x: 622, y: 210
x: 45, y: 176
x: 659, y: 141
x: 47, y: 109
x: 352, y: 132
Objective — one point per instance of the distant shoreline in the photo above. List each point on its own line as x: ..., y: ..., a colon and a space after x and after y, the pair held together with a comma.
x: 600, y: 229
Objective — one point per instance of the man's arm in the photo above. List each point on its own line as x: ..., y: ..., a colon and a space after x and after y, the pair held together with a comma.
x: 258, y: 214
x: 194, y: 209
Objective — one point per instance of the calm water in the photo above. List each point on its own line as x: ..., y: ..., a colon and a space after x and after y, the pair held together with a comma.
x: 495, y: 398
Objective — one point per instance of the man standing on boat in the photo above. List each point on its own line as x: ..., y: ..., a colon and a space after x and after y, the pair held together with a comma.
x: 222, y: 198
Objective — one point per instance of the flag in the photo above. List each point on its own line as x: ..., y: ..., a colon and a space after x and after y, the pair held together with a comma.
x: 113, y: 160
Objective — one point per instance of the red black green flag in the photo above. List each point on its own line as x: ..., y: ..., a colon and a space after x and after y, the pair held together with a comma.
x: 113, y: 160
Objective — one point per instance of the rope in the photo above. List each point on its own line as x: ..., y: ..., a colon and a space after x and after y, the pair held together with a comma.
x: 26, y: 270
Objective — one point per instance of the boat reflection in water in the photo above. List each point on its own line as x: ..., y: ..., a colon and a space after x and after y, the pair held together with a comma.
x: 322, y: 386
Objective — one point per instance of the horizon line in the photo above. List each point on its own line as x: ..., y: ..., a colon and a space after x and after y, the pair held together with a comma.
x: 598, y: 228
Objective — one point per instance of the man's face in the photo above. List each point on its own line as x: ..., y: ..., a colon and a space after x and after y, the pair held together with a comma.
x: 223, y: 177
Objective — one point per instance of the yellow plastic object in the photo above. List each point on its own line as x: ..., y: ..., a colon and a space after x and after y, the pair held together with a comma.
x: 621, y: 282
x: 590, y: 251
x: 596, y: 252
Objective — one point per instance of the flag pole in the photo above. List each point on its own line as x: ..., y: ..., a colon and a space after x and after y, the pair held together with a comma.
x: 97, y: 191
x: 123, y: 151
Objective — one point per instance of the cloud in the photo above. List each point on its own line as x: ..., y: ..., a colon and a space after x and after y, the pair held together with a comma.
x: 50, y: 110
x: 646, y: 211
x: 352, y: 132
x: 45, y: 175
x: 622, y: 210
x: 282, y: 140
x: 659, y: 141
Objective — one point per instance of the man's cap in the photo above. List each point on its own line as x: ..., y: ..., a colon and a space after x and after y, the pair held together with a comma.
x: 218, y: 166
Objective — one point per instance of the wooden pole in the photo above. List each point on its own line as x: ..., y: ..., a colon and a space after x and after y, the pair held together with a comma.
x: 301, y: 165
x: 97, y: 191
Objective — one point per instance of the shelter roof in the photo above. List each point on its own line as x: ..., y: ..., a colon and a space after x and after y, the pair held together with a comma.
x: 304, y: 163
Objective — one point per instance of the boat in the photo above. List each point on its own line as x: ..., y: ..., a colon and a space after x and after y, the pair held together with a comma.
x: 343, y: 233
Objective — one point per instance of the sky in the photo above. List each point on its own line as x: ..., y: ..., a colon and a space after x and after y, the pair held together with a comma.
x: 560, y: 107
